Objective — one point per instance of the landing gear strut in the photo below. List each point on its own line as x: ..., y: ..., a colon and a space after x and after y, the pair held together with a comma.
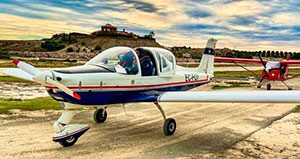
x: 67, y: 134
x: 289, y: 87
x: 169, y: 126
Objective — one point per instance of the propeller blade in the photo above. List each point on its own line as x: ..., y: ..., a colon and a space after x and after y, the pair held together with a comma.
x: 29, y: 72
x: 15, y: 72
x: 63, y: 87
x: 26, y: 67
x: 262, y: 62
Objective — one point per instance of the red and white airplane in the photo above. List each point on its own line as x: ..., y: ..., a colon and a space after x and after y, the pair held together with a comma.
x: 126, y: 75
x: 272, y: 70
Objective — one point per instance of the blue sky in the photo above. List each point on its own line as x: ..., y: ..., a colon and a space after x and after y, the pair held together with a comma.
x: 237, y: 24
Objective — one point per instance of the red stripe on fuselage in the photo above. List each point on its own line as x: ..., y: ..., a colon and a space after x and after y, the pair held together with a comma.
x: 136, y: 86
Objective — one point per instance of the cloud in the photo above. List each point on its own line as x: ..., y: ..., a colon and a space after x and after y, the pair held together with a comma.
x: 244, y: 24
x: 286, y: 19
x: 240, y: 8
x: 16, y: 27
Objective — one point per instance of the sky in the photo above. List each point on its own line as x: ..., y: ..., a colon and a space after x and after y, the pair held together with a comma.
x: 237, y: 24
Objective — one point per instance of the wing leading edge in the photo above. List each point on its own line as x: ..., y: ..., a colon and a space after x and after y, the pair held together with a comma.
x: 238, y: 60
x: 232, y: 96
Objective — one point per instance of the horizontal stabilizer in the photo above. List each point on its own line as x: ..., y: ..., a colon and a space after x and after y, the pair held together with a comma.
x: 232, y: 96
x: 15, y: 72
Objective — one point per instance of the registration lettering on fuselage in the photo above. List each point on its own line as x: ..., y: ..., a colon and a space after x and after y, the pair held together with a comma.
x: 191, y: 77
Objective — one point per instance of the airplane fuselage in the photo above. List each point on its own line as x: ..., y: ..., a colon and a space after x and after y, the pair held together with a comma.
x: 110, y: 87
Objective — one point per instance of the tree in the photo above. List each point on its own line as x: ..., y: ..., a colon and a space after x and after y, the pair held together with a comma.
x: 51, y: 45
x: 268, y: 54
x: 276, y: 54
x: 272, y: 54
x: 281, y: 54
x: 263, y: 54
x: 151, y: 34
x: 98, y: 48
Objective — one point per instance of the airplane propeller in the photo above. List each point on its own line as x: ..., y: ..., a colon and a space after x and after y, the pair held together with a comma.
x: 265, y: 67
x: 41, y: 77
x: 262, y: 62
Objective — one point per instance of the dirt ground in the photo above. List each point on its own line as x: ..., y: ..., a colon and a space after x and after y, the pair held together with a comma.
x: 204, y: 130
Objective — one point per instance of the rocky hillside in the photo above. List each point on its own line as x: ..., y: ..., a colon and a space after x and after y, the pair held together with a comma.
x: 92, y: 44
x: 75, y: 42
x: 20, y: 45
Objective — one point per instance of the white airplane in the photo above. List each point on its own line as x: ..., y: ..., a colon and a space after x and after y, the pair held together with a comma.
x: 126, y: 75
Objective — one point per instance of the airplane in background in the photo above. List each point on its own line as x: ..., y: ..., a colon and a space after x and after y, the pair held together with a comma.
x: 272, y: 70
x: 125, y: 75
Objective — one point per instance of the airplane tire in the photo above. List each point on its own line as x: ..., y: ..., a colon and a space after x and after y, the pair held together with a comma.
x: 258, y: 86
x: 268, y: 86
x: 100, y: 116
x: 69, y: 141
x: 290, y: 88
x: 169, y: 127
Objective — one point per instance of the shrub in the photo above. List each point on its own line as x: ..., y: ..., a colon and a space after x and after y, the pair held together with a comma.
x: 98, y: 48
x: 70, y: 49
x: 51, y: 45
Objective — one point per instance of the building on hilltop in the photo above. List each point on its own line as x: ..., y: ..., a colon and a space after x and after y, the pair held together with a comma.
x: 112, y: 31
x: 108, y: 28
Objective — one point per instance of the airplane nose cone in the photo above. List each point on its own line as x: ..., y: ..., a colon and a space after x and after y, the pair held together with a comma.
x: 41, y: 77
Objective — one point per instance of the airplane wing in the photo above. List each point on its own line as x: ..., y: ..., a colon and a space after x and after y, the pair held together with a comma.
x: 232, y: 96
x: 290, y: 62
x: 15, y: 72
x: 238, y: 60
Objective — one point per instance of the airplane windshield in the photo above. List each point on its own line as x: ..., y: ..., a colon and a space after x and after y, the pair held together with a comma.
x: 123, y: 56
x: 273, y: 65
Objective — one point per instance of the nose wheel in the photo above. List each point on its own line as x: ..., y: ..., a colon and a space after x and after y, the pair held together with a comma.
x: 69, y: 141
x: 169, y: 126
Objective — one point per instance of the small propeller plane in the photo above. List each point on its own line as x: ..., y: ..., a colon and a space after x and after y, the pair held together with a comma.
x: 272, y: 70
x: 126, y: 75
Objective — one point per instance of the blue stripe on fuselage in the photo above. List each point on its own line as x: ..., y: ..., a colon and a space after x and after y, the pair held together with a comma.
x: 91, y: 97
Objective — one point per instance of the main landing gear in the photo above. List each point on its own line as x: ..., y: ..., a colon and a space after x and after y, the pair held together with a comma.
x: 169, y: 126
x: 269, y: 85
x: 289, y: 87
x: 100, y: 115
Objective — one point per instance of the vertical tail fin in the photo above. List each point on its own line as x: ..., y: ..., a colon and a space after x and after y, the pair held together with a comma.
x: 207, y: 60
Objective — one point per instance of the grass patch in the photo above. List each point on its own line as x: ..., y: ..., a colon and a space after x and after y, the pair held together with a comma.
x: 232, y: 85
x: 28, y: 104
x: 13, y: 79
x: 235, y: 74
x: 48, y: 64
x: 297, y: 110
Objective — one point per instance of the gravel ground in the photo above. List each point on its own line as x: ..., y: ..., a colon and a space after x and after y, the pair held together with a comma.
x: 204, y: 130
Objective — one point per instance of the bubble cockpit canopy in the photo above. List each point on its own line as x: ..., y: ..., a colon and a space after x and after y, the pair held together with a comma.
x: 123, y: 57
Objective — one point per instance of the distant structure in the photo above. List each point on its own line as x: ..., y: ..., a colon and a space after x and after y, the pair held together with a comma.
x: 108, y: 28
